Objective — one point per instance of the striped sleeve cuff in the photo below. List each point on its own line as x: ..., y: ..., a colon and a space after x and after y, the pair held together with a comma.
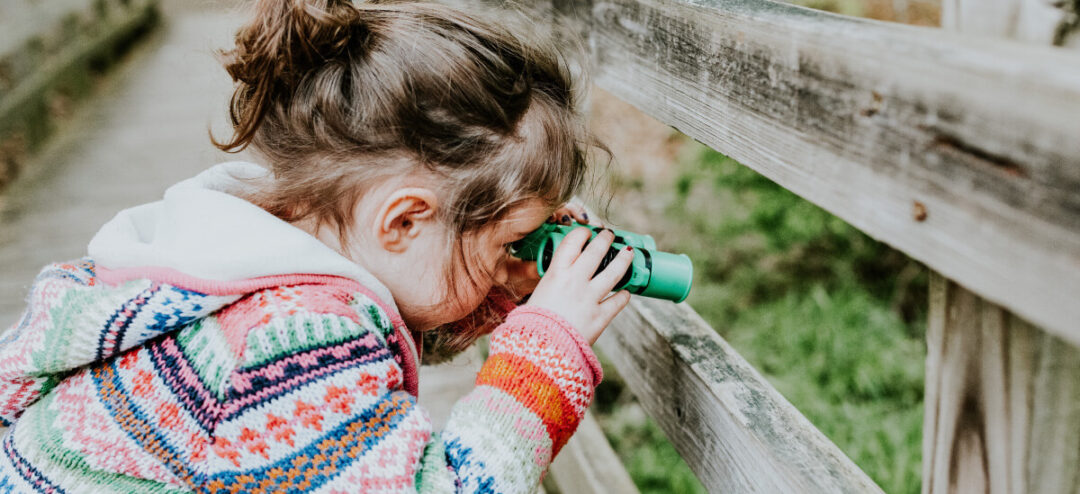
x: 559, y: 333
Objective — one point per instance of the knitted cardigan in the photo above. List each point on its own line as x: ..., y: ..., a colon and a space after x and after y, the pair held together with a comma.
x: 151, y: 379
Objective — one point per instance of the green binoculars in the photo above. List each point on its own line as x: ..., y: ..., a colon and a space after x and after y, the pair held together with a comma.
x: 653, y: 273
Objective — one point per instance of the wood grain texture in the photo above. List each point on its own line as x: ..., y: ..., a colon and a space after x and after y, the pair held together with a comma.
x: 588, y: 465
x: 731, y: 426
x: 868, y: 119
x: 1002, y: 397
x: 1002, y: 401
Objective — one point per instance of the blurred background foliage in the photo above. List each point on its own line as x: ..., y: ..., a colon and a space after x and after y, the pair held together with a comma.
x: 832, y: 318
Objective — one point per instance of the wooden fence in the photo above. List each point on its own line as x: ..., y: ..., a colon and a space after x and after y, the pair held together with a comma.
x: 959, y: 146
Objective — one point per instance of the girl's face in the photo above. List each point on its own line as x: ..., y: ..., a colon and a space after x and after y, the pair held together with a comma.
x: 403, y: 245
x: 486, y: 253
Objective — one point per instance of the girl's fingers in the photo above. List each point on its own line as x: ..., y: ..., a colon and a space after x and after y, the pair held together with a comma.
x: 582, y: 216
x: 610, y: 308
x: 573, y: 212
x: 566, y: 215
x: 613, y: 272
x: 590, y: 258
x: 615, y: 302
x: 577, y: 212
x: 570, y: 248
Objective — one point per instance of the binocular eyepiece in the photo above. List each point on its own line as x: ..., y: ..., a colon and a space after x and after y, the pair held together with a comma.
x: 652, y: 274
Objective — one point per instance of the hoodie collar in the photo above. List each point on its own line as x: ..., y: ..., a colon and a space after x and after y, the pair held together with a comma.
x: 203, y: 229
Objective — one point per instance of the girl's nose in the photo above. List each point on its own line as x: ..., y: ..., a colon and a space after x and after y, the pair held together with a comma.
x: 502, y: 274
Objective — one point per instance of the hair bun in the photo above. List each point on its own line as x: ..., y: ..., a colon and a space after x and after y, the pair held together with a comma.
x: 285, y: 40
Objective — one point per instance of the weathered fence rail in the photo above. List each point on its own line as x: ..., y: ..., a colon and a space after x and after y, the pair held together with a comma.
x: 952, y: 145
x: 939, y: 144
x: 733, y: 429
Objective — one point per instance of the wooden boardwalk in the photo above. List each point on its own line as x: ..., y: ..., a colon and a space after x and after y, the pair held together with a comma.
x: 144, y: 130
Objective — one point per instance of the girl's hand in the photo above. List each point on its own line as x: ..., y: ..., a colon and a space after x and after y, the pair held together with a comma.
x: 570, y: 290
x: 573, y: 212
x: 523, y: 276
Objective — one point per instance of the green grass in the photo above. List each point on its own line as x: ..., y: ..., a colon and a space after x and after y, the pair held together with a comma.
x: 845, y: 362
x: 651, y: 460
x: 832, y: 318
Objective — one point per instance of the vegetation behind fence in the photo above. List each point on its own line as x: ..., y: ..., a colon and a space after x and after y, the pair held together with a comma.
x: 917, y: 137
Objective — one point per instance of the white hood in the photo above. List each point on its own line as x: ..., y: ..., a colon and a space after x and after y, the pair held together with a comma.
x: 202, y: 230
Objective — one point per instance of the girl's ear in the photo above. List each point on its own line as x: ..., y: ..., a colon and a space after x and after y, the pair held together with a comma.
x: 404, y: 215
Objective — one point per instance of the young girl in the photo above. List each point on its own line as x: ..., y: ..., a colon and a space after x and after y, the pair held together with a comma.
x: 255, y: 330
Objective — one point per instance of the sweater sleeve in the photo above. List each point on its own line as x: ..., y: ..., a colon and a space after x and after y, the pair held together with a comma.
x: 317, y: 404
x: 531, y: 394
x: 73, y: 319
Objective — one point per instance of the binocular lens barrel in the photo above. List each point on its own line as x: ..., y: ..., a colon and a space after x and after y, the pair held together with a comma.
x: 549, y: 249
x: 652, y: 273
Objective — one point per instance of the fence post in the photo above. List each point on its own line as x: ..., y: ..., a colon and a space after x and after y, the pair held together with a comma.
x: 1002, y: 400
x: 1002, y: 396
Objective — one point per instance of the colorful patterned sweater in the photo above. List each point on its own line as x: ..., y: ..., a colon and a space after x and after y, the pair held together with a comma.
x: 125, y: 379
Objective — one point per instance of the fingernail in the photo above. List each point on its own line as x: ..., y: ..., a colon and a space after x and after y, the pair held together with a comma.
x: 566, y: 218
x: 585, y: 216
x: 631, y: 249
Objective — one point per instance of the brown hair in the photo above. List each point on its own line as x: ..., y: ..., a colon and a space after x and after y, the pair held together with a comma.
x: 338, y: 96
